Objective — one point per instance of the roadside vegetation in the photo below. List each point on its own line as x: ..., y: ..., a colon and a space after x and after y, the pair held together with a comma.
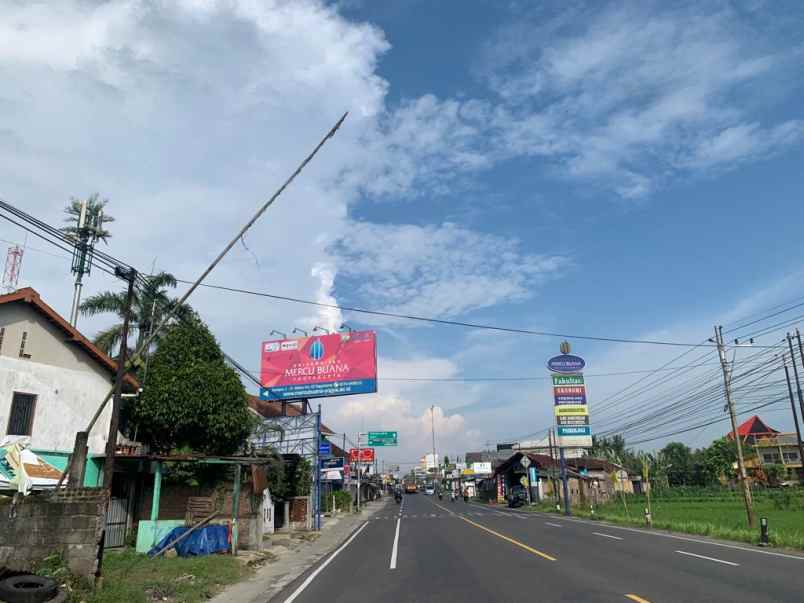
x: 134, y: 578
x: 715, y: 512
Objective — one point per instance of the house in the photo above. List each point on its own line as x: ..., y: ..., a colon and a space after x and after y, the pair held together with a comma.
x: 52, y: 380
x: 753, y: 430
x: 780, y: 449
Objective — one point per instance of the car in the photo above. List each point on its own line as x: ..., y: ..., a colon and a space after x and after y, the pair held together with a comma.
x: 429, y: 491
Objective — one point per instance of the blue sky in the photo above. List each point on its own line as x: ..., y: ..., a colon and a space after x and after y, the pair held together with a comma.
x: 612, y: 169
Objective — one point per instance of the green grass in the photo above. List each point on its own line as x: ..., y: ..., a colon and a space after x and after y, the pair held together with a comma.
x: 719, y: 516
x: 133, y: 578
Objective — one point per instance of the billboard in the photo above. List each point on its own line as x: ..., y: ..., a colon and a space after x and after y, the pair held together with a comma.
x: 320, y: 366
x: 569, y: 398
x: 481, y: 468
x: 366, y: 455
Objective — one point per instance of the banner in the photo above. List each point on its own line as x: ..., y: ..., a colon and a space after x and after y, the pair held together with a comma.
x: 320, y: 366
x: 366, y: 455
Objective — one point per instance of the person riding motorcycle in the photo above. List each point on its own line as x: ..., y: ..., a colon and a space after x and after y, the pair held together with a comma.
x: 398, y: 494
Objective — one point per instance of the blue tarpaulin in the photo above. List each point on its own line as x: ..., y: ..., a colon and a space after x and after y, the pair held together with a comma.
x: 204, y: 541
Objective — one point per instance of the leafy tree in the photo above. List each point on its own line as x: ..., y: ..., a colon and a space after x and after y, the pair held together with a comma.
x: 95, y: 205
x: 446, y: 460
x: 679, y: 464
x: 717, y: 461
x: 150, y: 305
x: 192, y: 398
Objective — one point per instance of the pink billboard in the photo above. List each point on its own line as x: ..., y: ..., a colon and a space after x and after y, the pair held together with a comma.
x: 320, y: 366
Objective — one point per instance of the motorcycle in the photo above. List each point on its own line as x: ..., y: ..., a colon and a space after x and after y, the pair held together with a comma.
x: 452, y: 497
x: 398, y: 497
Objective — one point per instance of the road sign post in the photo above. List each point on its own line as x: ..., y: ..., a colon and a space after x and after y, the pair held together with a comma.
x: 525, y: 462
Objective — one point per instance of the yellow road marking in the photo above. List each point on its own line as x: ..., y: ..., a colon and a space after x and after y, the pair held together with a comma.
x: 511, y: 540
x: 498, y: 535
x: 637, y: 599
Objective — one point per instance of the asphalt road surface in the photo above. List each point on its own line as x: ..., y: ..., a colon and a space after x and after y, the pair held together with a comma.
x: 432, y: 550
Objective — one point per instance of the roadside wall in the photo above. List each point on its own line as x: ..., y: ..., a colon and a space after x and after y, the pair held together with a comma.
x: 69, y: 522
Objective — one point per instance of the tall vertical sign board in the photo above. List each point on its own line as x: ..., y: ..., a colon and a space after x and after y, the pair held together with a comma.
x: 570, y: 404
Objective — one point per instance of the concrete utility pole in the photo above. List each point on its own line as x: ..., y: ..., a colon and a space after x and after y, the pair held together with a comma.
x: 795, y: 372
x: 795, y: 418
x: 114, y: 424
x: 727, y: 372
x: 432, y: 428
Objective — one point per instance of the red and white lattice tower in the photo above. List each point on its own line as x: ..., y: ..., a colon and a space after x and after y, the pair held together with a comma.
x: 13, y: 268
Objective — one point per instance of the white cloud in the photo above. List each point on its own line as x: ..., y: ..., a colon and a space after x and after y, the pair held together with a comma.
x: 440, y: 271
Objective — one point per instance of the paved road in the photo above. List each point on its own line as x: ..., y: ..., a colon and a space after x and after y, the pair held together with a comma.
x: 431, y: 550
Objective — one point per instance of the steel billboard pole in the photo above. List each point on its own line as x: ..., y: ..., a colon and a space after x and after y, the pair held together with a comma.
x: 318, y: 469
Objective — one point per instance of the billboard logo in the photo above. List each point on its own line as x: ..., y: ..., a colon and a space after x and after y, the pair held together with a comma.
x: 273, y: 346
x: 317, y: 349
x: 293, y: 344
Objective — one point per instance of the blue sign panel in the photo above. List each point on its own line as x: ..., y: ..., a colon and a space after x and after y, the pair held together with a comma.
x: 573, y: 430
x: 566, y: 363
x: 571, y: 399
x: 318, y: 390
x: 332, y: 463
x: 324, y: 449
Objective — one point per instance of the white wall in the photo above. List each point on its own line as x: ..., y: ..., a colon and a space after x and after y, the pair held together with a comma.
x: 66, y: 400
x: 69, y: 384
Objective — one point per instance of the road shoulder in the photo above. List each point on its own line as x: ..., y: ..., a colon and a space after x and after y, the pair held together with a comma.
x: 275, y: 576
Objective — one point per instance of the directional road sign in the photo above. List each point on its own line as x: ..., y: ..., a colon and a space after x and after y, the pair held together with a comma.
x: 382, y: 438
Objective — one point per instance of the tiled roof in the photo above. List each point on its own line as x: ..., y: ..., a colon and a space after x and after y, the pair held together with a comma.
x: 30, y: 296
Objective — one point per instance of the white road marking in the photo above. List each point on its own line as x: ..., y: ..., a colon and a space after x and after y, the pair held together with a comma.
x: 555, y: 525
x: 501, y: 513
x: 321, y: 567
x: 708, y: 558
x: 684, y: 538
x: 606, y: 535
x: 396, y: 545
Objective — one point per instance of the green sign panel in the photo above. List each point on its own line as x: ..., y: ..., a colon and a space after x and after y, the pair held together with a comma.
x: 567, y: 379
x: 382, y: 438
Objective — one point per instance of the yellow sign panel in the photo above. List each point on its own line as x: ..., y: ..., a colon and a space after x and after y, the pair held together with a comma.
x: 571, y: 410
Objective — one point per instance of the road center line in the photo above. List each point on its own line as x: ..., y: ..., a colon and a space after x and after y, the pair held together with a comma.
x: 396, y: 545
x: 606, y: 535
x: 321, y: 567
x: 637, y: 598
x: 708, y: 558
x: 511, y: 540
x: 555, y: 525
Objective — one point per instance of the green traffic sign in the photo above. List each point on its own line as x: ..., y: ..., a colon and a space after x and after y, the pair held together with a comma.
x: 382, y: 438
x: 567, y: 379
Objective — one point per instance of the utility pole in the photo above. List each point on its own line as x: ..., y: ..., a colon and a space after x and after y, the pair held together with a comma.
x: 727, y: 372
x: 795, y: 373
x: 795, y: 418
x: 358, y: 472
x: 432, y: 428
x: 552, y: 469
x: 114, y: 423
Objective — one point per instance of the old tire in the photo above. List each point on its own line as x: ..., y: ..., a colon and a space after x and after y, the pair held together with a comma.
x: 27, y: 589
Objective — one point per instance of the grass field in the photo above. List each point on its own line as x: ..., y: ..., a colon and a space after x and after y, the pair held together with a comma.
x: 134, y: 578
x: 716, y: 514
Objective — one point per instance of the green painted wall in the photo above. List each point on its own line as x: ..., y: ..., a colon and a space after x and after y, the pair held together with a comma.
x: 92, y: 474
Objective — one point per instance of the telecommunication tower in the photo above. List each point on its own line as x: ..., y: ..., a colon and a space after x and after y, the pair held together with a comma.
x: 90, y: 225
x: 11, y: 275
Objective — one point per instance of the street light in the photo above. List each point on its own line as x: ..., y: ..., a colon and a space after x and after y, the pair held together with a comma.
x: 302, y: 331
x: 322, y: 329
x: 283, y: 335
x: 345, y: 326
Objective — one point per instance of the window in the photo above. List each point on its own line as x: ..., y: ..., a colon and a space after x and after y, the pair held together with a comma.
x: 770, y: 458
x: 20, y: 421
x: 22, y: 345
x: 791, y: 457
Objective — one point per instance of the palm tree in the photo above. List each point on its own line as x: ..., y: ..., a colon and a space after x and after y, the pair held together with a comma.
x: 150, y: 305
x: 95, y: 206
